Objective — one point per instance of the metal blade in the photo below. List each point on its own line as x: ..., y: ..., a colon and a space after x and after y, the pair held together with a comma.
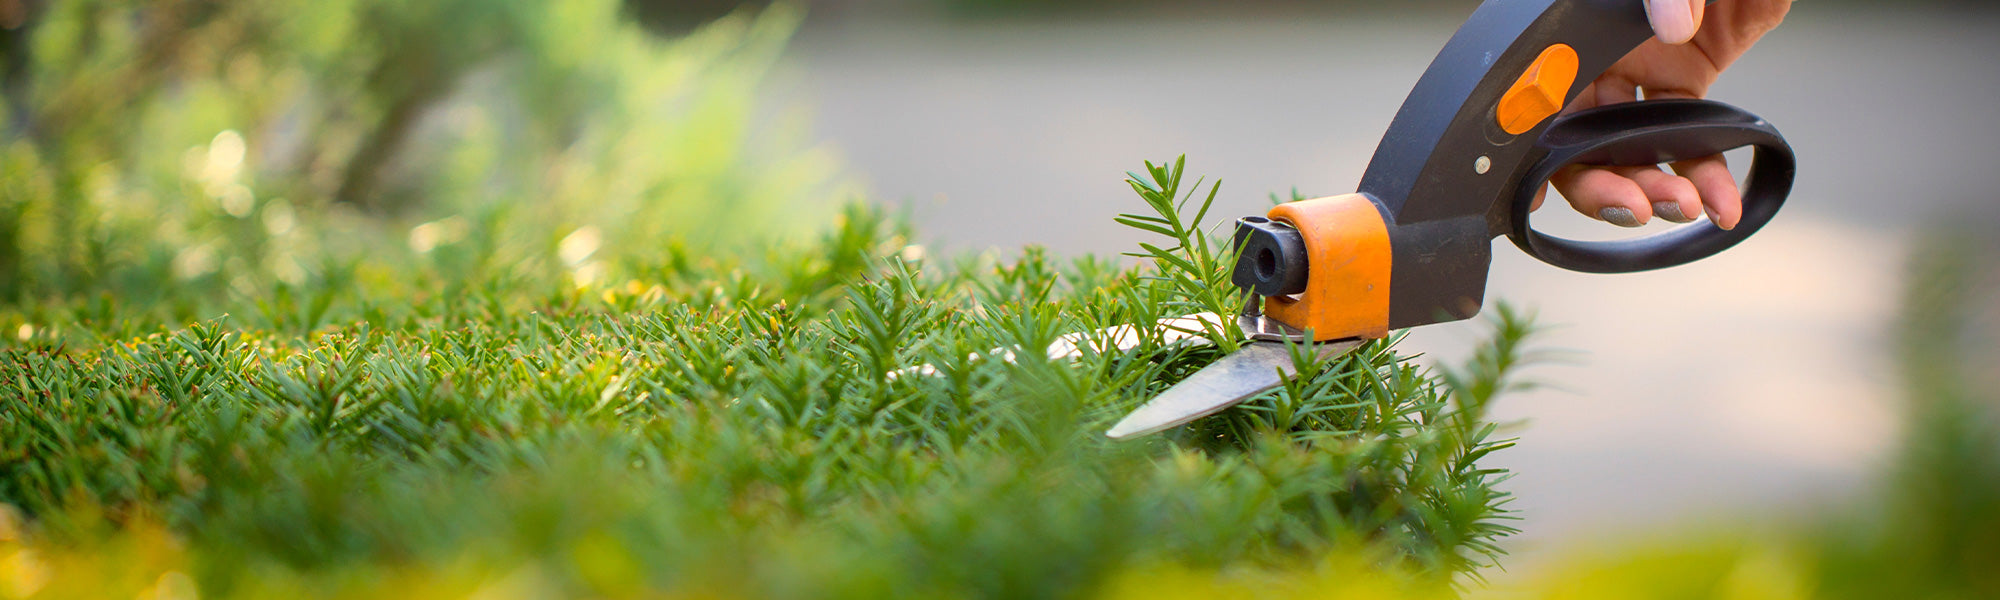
x: 1175, y: 330
x: 1252, y: 370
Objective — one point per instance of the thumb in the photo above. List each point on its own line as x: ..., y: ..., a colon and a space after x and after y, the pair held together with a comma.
x: 1674, y: 21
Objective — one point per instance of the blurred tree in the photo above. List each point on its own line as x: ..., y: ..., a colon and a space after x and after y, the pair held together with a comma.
x: 1940, y: 524
x: 213, y: 147
x: 16, y: 17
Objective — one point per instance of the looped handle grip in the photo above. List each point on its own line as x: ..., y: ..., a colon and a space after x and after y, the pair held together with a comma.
x: 1650, y: 133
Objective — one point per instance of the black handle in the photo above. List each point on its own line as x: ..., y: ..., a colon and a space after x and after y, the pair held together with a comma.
x: 1424, y: 168
x: 1447, y: 168
x: 1650, y: 133
x: 1448, y: 175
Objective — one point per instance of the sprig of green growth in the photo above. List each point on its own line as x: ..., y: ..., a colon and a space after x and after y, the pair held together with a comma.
x: 1428, y: 429
x: 1196, y: 272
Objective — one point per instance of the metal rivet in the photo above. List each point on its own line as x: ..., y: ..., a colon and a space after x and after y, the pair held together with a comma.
x: 1482, y: 165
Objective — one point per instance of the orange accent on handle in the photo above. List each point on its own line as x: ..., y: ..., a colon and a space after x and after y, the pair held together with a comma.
x: 1540, y: 91
x: 1347, y: 269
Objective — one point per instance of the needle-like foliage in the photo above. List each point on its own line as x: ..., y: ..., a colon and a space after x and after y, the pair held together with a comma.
x: 1195, y: 271
x: 376, y: 298
x: 741, y: 431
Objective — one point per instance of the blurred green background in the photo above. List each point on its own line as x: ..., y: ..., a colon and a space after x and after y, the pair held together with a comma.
x: 193, y: 155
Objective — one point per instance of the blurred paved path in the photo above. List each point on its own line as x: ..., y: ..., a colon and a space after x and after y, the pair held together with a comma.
x: 1750, y: 382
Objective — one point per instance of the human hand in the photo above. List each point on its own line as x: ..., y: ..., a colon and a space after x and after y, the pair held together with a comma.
x: 1681, y: 61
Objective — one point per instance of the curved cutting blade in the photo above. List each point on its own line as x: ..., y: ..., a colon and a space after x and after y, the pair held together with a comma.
x: 1252, y: 370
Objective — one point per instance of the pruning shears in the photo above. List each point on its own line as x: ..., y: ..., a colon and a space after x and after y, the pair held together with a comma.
x: 1460, y: 165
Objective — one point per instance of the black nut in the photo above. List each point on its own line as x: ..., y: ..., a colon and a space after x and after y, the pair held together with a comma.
x: 1271, y: 259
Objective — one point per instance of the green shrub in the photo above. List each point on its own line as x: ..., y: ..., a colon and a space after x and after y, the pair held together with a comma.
x: 743, y: 433
x: 371, y: 297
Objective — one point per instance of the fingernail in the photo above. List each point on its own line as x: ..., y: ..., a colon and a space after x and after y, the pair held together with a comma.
x: 1670, y: 211
x: 1673, y: 20
x: 1618, y: 215
x: 1714, y: 218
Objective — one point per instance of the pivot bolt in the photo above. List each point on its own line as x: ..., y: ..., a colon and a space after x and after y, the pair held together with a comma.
x: 1271, y: 257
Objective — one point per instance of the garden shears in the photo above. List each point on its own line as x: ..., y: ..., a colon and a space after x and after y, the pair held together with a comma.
x: 1461, y: 164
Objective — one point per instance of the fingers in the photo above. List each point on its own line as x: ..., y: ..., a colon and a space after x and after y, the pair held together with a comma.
x: 1612, y: 89
x: 1674, y: 21
x: 1604, y: 194
x: 1629, y: 196
x: 1717, y: 187
x: 1733, y: 27
x: 1671, y: 198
